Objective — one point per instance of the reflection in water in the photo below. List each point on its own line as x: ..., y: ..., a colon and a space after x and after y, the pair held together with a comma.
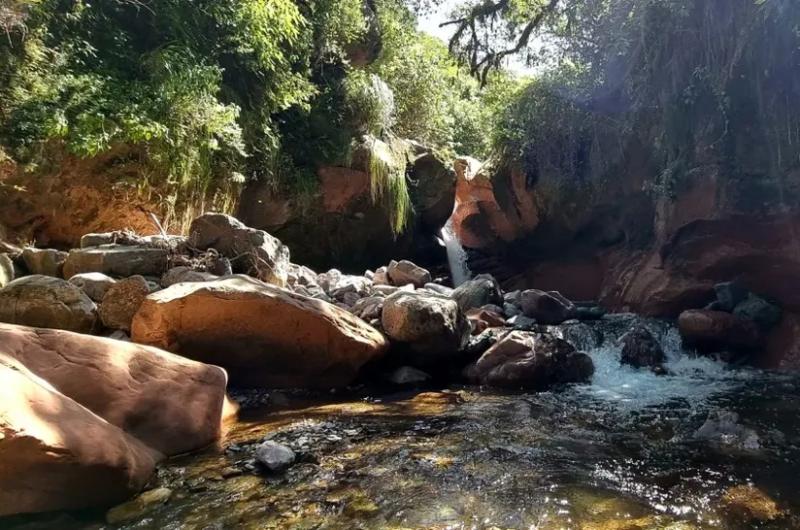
x: 626, y: 452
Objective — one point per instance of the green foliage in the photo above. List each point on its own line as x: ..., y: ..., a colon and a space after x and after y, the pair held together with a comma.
x: 368, y: 103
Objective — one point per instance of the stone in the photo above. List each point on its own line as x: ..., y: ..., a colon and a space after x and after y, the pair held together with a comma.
x: 368, y: 308
x: 477, y: 292
x: 47, y: 302
x: 381, y: 276
x: 546, y: 307
x: 184, y: 274
x: 404, y: 272
x: 722, y: 428
x: 94, y: 284
x: 749, y: 505
x: 521, y: 323
x: 764, y: 314
x: 58, y: 455
x: 594, y: 312
x: 301, y: 275
x: 511, y: 310
x: 408, y: 376
x: 170, y: 403
x: 252, y: 251
x: 729, y: 294
x: 6, y: 270
x: 138, y: 507
x: 274, y: 456
x: 117, y: 260
x: 45, y: 261
x: 533, y: 361
x: 259, y: 333
x: 122, y: 301
x: 641, y: 350
x: 98, y: 239
x: 713, y: 331
x: 483, y: 319
x: 439, y: 289
x: 429, y: 324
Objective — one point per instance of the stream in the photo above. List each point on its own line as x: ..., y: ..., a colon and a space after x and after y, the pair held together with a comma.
x: 632, y: 450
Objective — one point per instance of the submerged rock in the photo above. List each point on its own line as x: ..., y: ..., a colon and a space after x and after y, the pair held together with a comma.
x: 262, y: 335
x: 56, y: 454
x: 172, y: 404
x: 641, y: 349
x: 748, y: 504
x: 274, y: 456
x: 722, y: 427
x: 47, y: 302
x: 546, y: 307
x: 535, y: 361
x: 478, y: 292
x: 139, y: 506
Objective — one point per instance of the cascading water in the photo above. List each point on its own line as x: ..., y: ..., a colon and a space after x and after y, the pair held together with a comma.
x: 456, y: 256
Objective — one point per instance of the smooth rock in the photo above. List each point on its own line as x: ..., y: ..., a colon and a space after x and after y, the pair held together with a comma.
x: 263, y: 335
x: 716, y: 330
x: 6, y: 270
x: 139, y: 506
x: 122, y: 301
x: 171, y: 403
x: 404, y: 272
x: 429, y: 324
x: 477, y: 292
x: 274, y: 456
x: 117, y: 260
x: 47, y: 302
x: 56, y: 454
x: 546, y: 307
x: 94, y: 284
x: 45, y: 261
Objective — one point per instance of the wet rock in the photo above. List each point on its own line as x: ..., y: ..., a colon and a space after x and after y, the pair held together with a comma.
x: 274, y: 456
x: 171, y: 403
x: 184, y: 274
x: 404, y: 272
x: 536, y: 361
x: 47, y: 302
x: 482, y: 319
x: 729, y: 294
x: 429, y: 324
x: 117, y: 260
x: 511, y: 310
x: 749, y: 505
x: 45, y: 261
x: 139, y: 506
x: 480, y: 343
x: 546, y: 307
x: 122, y: 301
x: 763, y: 313
x: 257, y: 332
x: 94, y: 284
x: 480, y: 291
x: 522, y: 323
x: 408, y: 376
x: 715, y: 330
x: 439, y: 289
x: 252, y: 251
x: 6, y: 270
x: 722, y: 427
x: 56, y: 454
x: 641, y: 349
x: 594, y: 312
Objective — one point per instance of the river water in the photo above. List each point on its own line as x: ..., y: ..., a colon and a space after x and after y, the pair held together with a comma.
x: 630, y: 451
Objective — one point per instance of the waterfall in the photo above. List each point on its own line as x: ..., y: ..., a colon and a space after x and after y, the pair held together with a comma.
x: 456, y: 256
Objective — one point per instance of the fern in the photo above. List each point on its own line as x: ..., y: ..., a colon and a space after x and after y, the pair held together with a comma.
x: 388, y: 186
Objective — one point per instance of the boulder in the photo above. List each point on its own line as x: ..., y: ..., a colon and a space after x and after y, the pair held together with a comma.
x: 404, y: 272
x: 45, y: 261
x: 642, y: 350
x: 94, y: 284
x: 381, y: 276
x: 368, y: 308
x: 716, y: 330
x: 117, y: 260
x: 252, y: 251
x: 430, y: 324
x: 483, y: 319
x: 47, y: 302
x: 170, y: 403
x: 185, y: 274
x: 764, y: 314
x: 263, y: 335
x: 274, y: 456
x: 546, y: 307
x: 56, y: 454
x: 729, y: 294
x: 122, y: 301
x: 481, y: 290
x: 535, y: 361
x: 6, y: 270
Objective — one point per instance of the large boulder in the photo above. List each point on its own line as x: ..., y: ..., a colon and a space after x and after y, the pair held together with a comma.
x: 763, y: 313
x: 715, y: 331
x: 117, y: 260
x: 94, y: 284
x: 641, y: 349
x: 252, y: 251
x: 122, y: 301
x: 432, y: 325
x: 46, y: 261
x: 171, y: 403
x: 263, y: 335
x: 478, y: 292
x: 6, y: 270
x: 547, y: 307
x: 56, y: 454
x: 535, y: 361
x: 47, y: 302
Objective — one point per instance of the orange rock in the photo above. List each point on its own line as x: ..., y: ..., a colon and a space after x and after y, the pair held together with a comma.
x: 56, y: 454
x: 170, y: 403
x: 717, y: 330
x: 340, y: 186
x: 263, y: 335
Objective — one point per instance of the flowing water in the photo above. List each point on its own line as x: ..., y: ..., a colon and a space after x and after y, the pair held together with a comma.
x: 456, y: 256
x: 632, y: 450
